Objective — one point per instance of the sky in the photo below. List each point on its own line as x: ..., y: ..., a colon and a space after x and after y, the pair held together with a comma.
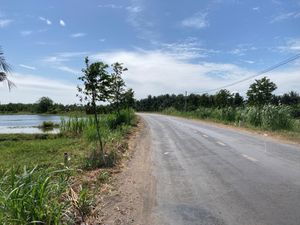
x: 169, y: 46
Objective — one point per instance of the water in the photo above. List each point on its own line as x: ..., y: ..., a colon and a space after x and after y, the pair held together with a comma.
x: 26, y: 123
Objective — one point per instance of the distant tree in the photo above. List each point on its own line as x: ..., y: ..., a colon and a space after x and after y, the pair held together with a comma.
x: 223, y: 98
x: 128, y: 99
x: 96, y: 88
x: 44, y: 104
x: 238, y: 100
x: 117, y: 87
x: 260, y: 92
x: 4, y: 70
x: 291, y: 98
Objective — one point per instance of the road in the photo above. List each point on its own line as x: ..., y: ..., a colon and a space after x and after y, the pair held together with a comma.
x: 210, y: 174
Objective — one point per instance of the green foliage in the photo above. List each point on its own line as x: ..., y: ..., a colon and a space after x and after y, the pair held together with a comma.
x: 260, y: 92
x: 269, y: 117
x: 32, y: 196
x: 117, y: 87
x: 252, y: 115
x: 276, y: 117
x: 84, y: 202
x: 44, y: 105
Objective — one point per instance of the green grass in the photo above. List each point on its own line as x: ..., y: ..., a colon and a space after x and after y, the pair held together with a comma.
x: 41, y: 194
x: 43, y: 152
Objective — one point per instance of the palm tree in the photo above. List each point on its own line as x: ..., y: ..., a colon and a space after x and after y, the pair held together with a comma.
x: 4, y: 70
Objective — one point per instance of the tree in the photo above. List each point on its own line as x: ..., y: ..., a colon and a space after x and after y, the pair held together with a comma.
x: 96, y: 88
x: 128, y: 99
x: 238, y: 100
x: 260, y: 92
x: 117, y: 85
x: 223, y: 98
x: 4, y: 71
x: 291, y: 98
x: 44, y: 104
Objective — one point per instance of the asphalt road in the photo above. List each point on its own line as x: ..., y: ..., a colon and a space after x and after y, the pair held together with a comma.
x: 208, y: 174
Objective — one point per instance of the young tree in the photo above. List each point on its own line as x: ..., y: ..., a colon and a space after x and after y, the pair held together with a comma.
x: 260, y: 92
x: 96, y: 88
x: 4, y: 70
x: 117, y: 85
x: 128, y: 98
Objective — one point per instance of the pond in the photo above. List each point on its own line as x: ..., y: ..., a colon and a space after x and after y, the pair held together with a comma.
x: 26, y: 123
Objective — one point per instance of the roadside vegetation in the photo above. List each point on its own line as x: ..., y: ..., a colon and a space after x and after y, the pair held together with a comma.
x: 260, y: 110
x: 41, y: 175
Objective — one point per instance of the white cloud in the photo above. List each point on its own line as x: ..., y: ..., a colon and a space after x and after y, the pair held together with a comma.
x: 68, y: 69
x: 111, y: 6
x: 190, y: 48
x: 150, y: 72
x: 27, y: 67
x: 292, y: 45
x: 48, y: 22
x: 63, y: 57
x: 5, y: 22
x: 59, y: 61
x: 102, y: 39
x: 256, y: 8
x: 77, y: 35
x: 198, y: 21
x: 25, y: 33
x: 154, y: 72
x: 285, y: 16
x: 62, y: 23
x: 140, y: 21
x: 248, y: 61
x: 29, y: 88
x: 134, y: 9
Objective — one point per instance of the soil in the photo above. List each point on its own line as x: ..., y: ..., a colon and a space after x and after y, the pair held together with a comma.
x: 130, y: 197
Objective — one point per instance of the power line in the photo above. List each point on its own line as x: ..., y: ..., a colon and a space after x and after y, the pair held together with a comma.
x: 286, y: 61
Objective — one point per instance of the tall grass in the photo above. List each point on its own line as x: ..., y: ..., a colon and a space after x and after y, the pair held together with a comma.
x: 112, y: 129
x: 268, y: 117
x: 32, y: 196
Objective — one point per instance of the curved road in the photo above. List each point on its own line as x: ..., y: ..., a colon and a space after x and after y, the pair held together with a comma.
x: 208, y: 174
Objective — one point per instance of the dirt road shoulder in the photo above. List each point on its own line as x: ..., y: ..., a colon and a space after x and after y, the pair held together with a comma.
x: 133, y: 199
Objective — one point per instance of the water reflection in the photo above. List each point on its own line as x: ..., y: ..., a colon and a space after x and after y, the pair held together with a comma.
x: 27, y: 123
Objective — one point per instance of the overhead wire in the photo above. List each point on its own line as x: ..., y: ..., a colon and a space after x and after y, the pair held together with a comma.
x: 271, y: 68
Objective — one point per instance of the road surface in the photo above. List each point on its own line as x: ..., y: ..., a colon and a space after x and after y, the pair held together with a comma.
x: 209, y: 174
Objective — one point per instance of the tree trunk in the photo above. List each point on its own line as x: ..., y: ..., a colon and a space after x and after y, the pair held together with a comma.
x: 98, y: 131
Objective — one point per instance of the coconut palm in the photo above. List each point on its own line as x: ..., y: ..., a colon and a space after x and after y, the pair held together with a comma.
x: 4, y: 70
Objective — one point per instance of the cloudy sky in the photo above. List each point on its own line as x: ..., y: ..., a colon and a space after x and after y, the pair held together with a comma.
x: 169, y: 46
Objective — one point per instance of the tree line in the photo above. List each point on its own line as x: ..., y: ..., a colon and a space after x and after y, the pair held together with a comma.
x: 260, y: 93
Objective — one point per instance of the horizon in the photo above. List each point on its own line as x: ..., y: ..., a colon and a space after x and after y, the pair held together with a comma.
x: 167, y: 48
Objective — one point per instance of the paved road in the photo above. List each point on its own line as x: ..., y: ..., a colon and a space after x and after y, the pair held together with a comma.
x: 211, y: 175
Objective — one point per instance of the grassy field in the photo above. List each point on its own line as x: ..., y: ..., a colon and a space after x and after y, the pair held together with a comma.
x: 42, y: 152
x: 36, y: 187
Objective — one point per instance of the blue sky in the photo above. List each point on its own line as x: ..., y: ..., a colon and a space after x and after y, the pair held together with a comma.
x: 168, y: 46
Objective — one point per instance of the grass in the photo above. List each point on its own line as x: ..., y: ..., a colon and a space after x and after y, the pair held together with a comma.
x: 32, y: 196
x: 41, y: 193
x: 43, y: 152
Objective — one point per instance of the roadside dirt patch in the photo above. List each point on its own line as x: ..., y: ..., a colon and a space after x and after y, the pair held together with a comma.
x: 130, y: 196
